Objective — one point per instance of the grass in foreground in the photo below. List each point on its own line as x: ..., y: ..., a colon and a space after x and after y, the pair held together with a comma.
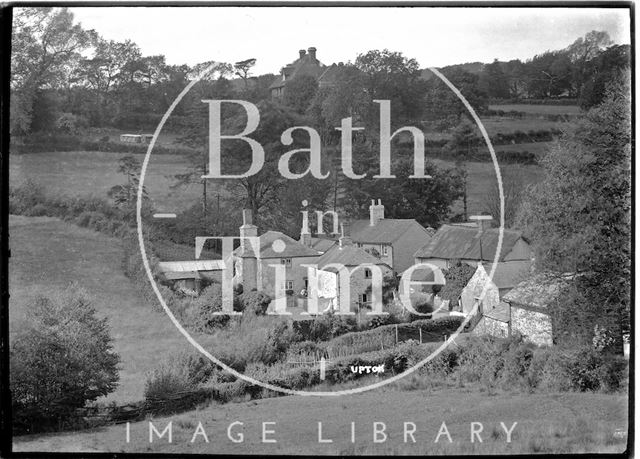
x: 547, y: 423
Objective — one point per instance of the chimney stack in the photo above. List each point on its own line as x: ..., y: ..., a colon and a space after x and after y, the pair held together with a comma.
x: 345, y: 237
x: 248, y: 229
x: 305, y: 234
x: 302, y: 53
x: 482, y: 221
x: 312, y: 52
x: 376, y: 212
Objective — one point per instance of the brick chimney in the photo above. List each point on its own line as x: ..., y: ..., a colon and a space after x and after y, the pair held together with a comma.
x: 312, y: 52
x: 302, y: 53
x: 248, y: 259
x: 376, y: 212
x: 345, y: 238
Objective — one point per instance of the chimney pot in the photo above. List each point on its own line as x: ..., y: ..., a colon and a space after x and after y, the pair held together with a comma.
x: 302, y: 52
x: 312, y: 52
x: 376, y: 212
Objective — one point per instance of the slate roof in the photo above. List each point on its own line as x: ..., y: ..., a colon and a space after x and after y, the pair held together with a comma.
x: 509, y: 274
x: 347, y: 256
x: 305, y: 65
x: 322, y: 244
x: 386, y: 231
x: 501, y: 312
x: 292, y: 249
x: 462, y: 242
x: 538, y: 291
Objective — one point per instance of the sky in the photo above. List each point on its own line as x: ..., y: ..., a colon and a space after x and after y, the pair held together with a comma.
x: 273, y: 35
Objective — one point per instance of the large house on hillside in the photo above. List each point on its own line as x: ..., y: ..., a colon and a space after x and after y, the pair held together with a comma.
x: 307, y: 64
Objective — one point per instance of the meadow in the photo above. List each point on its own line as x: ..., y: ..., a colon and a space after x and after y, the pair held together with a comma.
x: 92, y: 173
x: 83, y: 174
x: 47, y: 254
x: 546, y: 423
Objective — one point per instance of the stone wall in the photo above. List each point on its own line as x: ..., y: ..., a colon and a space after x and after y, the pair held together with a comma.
x: 493, y: 327
x: 535, y: 326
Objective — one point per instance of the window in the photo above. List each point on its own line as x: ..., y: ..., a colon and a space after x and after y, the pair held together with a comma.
x: 286, y: 262
x: 367, y: 273
x: 306, y: 283
x: 363, y: 298
x: 384, y: 249
x: 289, y: 285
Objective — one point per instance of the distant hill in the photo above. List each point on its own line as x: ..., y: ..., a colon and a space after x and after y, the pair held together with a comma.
x: 471, y: 67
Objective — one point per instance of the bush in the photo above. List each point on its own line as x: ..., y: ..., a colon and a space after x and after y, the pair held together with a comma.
x: 254, y: 302
x: 61, y: 359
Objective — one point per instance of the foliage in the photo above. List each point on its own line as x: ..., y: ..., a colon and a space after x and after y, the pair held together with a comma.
x: 299, y: 92
x: 254, y: 303
x: 456, y: 279
x: 578, y: 218
x: 60, y: 359
x: 426, y: 200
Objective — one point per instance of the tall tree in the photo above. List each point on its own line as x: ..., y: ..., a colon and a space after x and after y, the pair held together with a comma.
x: 46, y: 44
x: 579, y: 216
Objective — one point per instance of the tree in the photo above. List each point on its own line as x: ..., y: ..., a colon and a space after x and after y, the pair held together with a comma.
x: 463, y: 146
x: 456, y: 278
x: 443, y: 103
x: 242, y: 70
x: 46, y: 44
x: 299, y: 92
x: 578, y: 217
x: 583, y: 50
x: 600, y: 71
x: 388, y: 75
x: 493, y: 81
x: 426, y: 200
x: 61, y: 358
x: 513, y: 191
x: 126, y: 195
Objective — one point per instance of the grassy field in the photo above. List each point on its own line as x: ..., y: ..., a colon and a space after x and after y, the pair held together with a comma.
x: 83, y: 173
x: 94, y: 173
x: 539, y: 109
x: 47, y: 254
x: 481, y: 180
x: 546, y: 423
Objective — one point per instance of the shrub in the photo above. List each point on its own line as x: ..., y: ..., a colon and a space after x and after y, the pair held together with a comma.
x: 60, y: 360
x: 208, y: 302
x: 166, y: 382
x: 254, y: 302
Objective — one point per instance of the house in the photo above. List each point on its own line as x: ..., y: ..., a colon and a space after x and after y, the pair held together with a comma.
x: 360, y: 279
x: 527, y: 309
x: 188, y: 276
x: 306, y: 64
x: 486, y: 291
x: 394, y: 241
x: 254, y: 269
x: 473, y: 243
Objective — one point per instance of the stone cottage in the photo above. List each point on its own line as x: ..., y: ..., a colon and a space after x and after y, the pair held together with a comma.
x: 527, y: 309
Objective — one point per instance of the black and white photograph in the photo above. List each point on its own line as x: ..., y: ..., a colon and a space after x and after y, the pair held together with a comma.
x: 317, y: 229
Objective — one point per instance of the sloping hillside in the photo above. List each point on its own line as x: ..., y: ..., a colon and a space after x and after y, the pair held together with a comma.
x: 48, y: 254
